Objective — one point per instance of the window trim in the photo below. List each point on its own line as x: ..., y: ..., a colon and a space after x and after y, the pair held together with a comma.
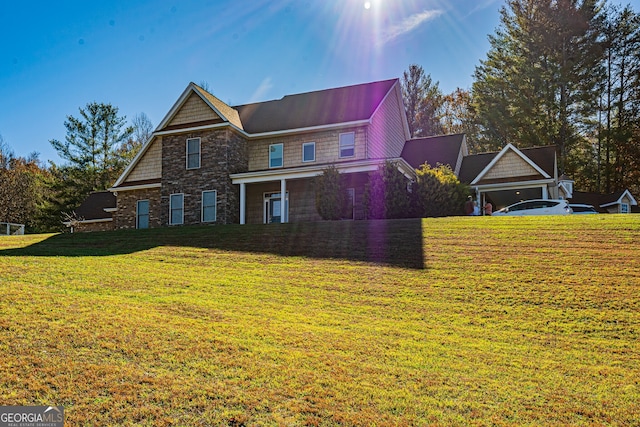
x: 307, y: 144
x: 351, y: 146
x: 199, y: 153
x: 625, y: 208
x: 138, y: 213
x: 215, y: 206
x: 171, y: 209
x: 281, y: 158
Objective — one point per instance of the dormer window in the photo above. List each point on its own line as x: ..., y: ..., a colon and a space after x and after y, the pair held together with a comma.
x: 193, y: 153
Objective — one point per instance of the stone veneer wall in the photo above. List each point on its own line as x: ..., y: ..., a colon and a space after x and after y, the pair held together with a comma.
x: 222, y: 152
x: 125, y: 216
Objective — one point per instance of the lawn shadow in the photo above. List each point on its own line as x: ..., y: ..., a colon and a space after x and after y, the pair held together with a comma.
x: 392, y: 242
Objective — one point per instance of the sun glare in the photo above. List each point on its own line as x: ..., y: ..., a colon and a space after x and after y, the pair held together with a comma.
x: 367, y: 5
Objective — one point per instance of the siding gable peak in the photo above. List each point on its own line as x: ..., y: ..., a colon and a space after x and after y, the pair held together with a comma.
x: 196, y: 107
x: 510, y: 151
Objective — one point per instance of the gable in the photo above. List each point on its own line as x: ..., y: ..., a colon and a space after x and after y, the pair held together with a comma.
x: 193, y: 110
x: 511, y: 165
x: 149, y: 166
x: 388, y: 131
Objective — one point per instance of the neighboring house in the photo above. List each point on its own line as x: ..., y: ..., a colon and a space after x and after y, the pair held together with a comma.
x: 94, y: 214
x: 208, y: 162
x: 512, y: 175
x: 618, y: 202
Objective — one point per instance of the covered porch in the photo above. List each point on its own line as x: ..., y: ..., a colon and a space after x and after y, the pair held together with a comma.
x: 260, y: 192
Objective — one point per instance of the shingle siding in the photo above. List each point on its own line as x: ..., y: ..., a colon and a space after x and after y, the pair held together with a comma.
x: 510, y: 165
x: 193, y: 110
x: 150, y: 165
x: 386, y: 133
x: 327, y: 148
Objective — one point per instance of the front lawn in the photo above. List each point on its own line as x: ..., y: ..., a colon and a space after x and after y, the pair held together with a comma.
x: 454, y: 321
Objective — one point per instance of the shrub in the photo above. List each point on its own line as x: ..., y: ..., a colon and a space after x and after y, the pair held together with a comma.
x: 331, y: 194
x: 386, y: 194
x: 437, y: 192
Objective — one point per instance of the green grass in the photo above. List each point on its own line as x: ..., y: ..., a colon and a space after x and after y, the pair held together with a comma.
x: 457, y: 321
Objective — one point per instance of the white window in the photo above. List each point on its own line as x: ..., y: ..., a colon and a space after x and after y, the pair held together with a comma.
x: 209, y: 206
x: 275, y: 155
x: 193, y: 153
x: 624, y: 208
x: 309, y: 152
x: 347, y: 144
x: 142, y: 214
x: 176, y: 209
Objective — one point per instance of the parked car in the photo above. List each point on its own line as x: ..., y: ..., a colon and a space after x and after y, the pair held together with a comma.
x: 536, y: 207
x: 582, y: 209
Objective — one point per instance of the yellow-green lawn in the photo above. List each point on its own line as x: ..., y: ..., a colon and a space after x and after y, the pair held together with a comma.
x: 454, y: 321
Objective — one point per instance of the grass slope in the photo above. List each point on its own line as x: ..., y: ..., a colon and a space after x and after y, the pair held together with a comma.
x: 457, y: 321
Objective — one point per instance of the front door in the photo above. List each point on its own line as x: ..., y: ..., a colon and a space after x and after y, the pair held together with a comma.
x: 274, y: 209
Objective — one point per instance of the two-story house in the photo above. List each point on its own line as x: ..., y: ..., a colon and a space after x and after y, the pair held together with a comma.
x: 211, y: 163
x: 208, y: 162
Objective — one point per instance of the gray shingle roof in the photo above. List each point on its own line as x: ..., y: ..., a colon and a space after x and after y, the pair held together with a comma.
x: 94, y: 205
x: 311, y: 109
x: 443, y: 149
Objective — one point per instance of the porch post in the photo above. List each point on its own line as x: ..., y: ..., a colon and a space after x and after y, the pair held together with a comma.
x: 243, y: 196
x: 283, y: 198
x: 545, y: 194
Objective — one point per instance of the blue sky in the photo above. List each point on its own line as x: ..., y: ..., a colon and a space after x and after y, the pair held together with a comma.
x: 57, y: 56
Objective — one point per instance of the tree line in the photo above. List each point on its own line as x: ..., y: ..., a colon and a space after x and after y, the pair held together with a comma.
x: 561, y: 72
x: 97, y: 147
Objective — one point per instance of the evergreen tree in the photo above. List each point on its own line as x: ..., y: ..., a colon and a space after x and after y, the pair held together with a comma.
x: 423, y: 102
x: 386, y: 195
x: 331, y: 194
x: 538, y: 84
x: 92, y: 150
x: 617, y: 143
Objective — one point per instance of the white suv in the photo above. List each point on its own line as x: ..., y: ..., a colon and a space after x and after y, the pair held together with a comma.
x: 537, y: 207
